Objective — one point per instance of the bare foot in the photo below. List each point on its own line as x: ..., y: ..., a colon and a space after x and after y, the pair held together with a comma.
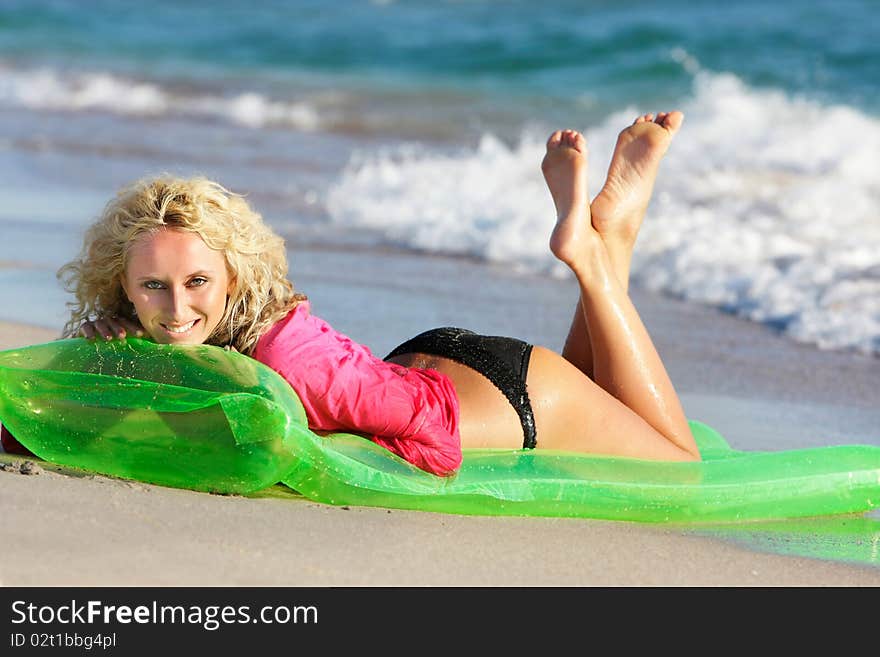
x: 565, y: 170
x: 618, y: 210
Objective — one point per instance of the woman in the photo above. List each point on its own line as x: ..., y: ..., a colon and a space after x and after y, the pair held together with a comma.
x: 187, y: 262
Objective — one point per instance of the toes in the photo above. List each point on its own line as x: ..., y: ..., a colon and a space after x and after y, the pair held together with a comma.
x: 569, y: 138
x: 555, y: 139
x: 673, y: 121
x: 574, y: 139
x: 669, y: 120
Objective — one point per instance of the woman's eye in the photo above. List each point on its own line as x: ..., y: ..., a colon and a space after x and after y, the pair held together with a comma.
x: 153, y: 285
x: 197, y: 281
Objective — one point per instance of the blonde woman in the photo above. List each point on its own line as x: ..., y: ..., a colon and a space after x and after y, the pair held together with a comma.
x: 188, y: 262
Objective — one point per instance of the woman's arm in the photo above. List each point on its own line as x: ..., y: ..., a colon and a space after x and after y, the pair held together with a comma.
x: 343, y: 387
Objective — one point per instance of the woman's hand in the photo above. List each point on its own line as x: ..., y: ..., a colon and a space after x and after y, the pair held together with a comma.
x: 111, y: 327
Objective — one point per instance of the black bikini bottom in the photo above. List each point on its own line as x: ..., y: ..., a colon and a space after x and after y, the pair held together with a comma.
x: 504, y: 361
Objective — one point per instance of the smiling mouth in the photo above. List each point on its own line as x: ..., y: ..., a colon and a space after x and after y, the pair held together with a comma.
x: 182, y: 328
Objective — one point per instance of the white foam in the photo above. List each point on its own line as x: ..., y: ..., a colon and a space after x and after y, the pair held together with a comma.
x: 767, y: 205
x: 48, y: 89
x: 487, y: 203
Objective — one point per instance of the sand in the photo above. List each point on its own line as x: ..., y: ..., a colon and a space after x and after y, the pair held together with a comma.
x: 63, y: 527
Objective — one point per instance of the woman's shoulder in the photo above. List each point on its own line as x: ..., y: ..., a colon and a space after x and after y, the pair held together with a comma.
x: 300, y: 314
x: 299, y: 326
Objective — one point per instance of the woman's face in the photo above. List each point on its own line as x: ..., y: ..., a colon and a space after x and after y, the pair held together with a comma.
x: 178, y: 285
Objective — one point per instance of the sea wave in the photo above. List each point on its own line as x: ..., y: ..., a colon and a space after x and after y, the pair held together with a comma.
x: 768, y: 205
x: 309, y: 104
x: 82, y: 91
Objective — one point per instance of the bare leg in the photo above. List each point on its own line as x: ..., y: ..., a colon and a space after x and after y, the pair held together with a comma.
x: 625, y: 363
x: 619, y: 208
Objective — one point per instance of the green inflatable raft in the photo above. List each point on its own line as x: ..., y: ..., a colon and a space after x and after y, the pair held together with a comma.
x: 202, y: 418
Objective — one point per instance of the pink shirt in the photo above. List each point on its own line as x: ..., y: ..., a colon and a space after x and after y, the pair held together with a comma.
x: 343, y: 387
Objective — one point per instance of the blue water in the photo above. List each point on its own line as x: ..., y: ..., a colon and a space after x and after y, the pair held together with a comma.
x: 419, y: 125
x: 825, y: 44
x: 611, y: 53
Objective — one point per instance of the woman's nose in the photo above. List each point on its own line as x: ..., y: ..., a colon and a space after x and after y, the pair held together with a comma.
x: 177, y: 301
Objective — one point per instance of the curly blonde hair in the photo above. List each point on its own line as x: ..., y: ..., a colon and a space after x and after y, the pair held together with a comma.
x: 255, y: 255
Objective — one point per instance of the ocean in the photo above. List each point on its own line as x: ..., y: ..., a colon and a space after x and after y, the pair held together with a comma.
x: 417, y: 127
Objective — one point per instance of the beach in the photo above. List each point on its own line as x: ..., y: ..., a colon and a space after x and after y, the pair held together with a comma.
x: 761, y: 391
x: 402, y: 167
